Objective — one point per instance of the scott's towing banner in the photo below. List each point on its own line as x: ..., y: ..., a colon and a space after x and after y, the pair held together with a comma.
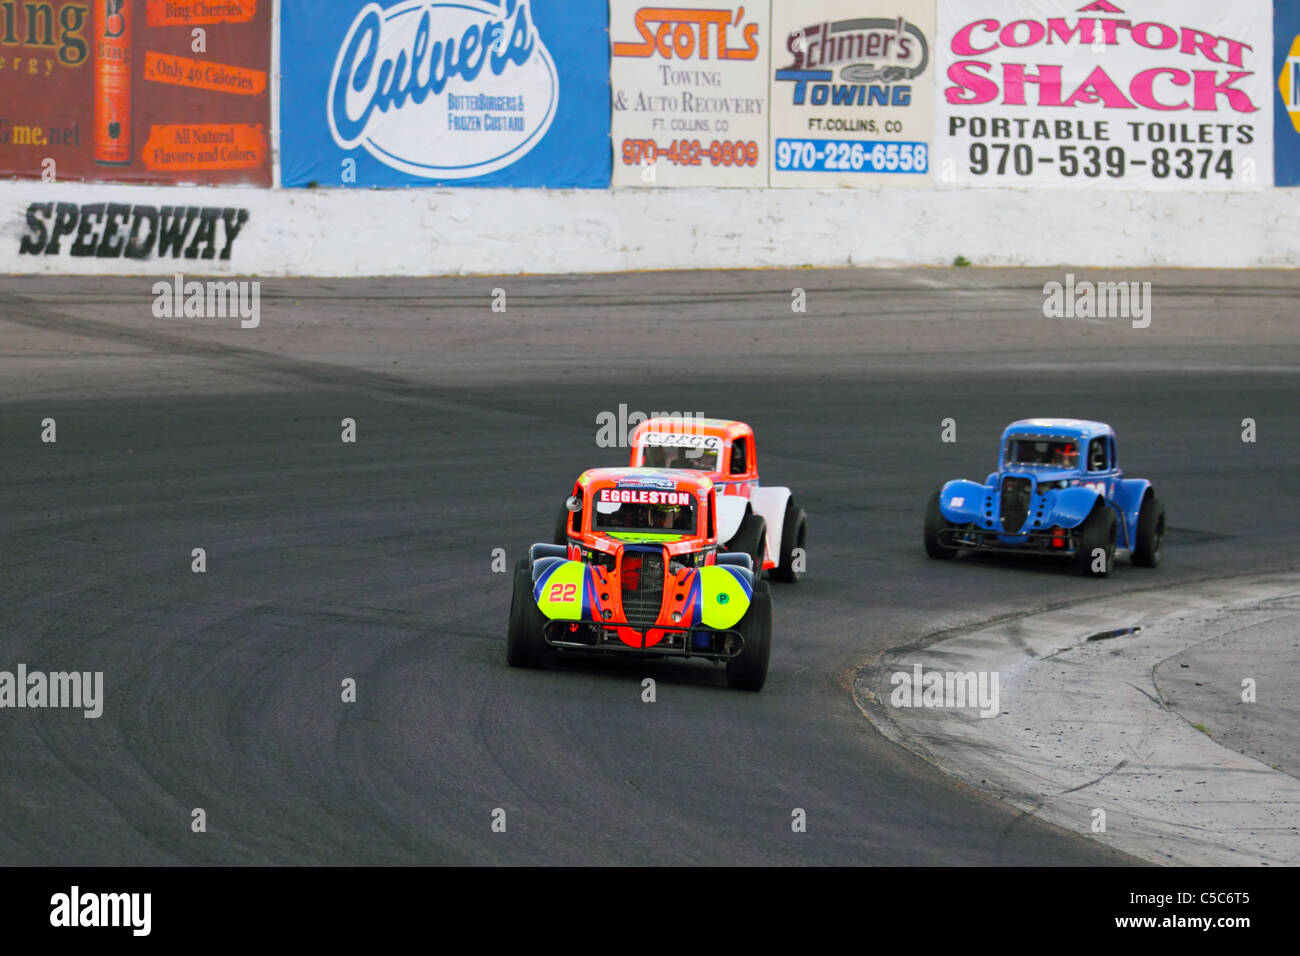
x: 1131, y: 94
x: 852, y: 92
x: 689, y: 88
x: 1286, y: 67
x: 451, y: 92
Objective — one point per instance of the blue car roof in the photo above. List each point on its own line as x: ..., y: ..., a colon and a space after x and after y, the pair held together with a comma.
x: 1057, y: 428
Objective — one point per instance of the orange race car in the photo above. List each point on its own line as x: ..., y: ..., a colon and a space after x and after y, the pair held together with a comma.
x: 760, y: 520
x: 641, y: 573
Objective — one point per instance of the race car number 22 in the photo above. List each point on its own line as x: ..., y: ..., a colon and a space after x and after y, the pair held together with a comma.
x: 562, y: 592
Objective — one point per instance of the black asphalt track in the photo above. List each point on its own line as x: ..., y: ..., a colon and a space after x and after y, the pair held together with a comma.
x: 374, y: 560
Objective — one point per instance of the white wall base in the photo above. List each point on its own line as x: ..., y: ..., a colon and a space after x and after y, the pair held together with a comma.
x: 489, y: 231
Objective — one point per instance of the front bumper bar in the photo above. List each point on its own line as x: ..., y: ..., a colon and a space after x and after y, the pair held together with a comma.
x: 971, y: 538
x: 607, y: 640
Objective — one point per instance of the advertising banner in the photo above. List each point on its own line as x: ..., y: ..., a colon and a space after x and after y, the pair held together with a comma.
x: 136, y: 91
x: 689, y: 85
x: 1286, y: 67
x: 852, y: 86
x: 445, y: 92
x: 1130, y: 94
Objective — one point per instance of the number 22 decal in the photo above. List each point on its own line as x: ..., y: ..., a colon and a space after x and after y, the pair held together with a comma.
x: 562, y: 592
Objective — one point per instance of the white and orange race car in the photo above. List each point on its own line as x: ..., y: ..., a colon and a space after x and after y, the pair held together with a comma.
x: 762, y: 521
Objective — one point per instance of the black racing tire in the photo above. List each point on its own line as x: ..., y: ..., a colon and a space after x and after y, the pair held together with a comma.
x: 1099, y: 530
x: 1150, y: 544
x: 934, y: 523
x: 525, y: 646
x: 751, y: 539
x: 794, y: 535
x: 748, y: 670
x: 561, y: 535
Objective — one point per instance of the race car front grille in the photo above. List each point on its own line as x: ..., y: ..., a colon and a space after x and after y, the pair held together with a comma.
x: 643, y: 586
x: 1015, y: 502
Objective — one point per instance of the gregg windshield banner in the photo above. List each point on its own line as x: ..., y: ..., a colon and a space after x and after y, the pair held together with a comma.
x: 852, y: 92
x: 1143, y: 94
x: 445, y: 92
x: 689, y: 93
x: 136, y: 91
x: 1286, y: 67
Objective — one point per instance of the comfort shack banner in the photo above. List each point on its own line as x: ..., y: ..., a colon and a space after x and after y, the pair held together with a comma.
x: 139, y: 91
x: 1151, y: 94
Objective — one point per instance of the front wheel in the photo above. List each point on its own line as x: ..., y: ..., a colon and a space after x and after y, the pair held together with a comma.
x: 794, y: 539
x: 1095, y: 556
x: 748, y: 670
x: 525, y: 646
x: 1150, y: 532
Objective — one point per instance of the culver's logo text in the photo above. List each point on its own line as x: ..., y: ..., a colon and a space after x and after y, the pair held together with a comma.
x: 443, y: 90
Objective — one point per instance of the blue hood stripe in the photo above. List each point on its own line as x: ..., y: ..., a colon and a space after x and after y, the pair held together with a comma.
x: 735, y: 573
x: 691, y: 617
x: 540, y: 586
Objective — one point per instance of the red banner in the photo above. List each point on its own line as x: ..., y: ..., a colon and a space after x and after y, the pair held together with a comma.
x: 139, y: 91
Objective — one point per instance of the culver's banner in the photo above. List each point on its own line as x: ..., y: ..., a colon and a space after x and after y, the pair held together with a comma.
x: 689, y: 84
x: 852, y: 88
x: 445, y: 92
x: 1126, y: 94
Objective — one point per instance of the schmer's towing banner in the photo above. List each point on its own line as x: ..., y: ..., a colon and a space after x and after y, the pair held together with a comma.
x: 689, y: 93
x: 1129, y: 94
x: 136, y: 91
x: 852, y: 88
x: 445, y: 92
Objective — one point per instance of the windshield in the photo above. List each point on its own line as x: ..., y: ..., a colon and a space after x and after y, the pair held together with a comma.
x: 657, y: 512
x: 1058, y: 453
x: 679, y: 456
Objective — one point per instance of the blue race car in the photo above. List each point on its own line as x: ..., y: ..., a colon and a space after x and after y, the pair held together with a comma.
x: 1059, y: 491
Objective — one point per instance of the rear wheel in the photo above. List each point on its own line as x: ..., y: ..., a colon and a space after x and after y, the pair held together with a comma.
x: 561, y: 535
x: 1150, y: 532
x: 934, y: 523
x: 525, y: 646
x: 1098, y: 533
x: 748, y: 670
x: 751, y: 539
x: 794, y: 537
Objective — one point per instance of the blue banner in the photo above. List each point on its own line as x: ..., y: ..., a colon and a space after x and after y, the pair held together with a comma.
x: 445, y: 93
x: 1286, y: 115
